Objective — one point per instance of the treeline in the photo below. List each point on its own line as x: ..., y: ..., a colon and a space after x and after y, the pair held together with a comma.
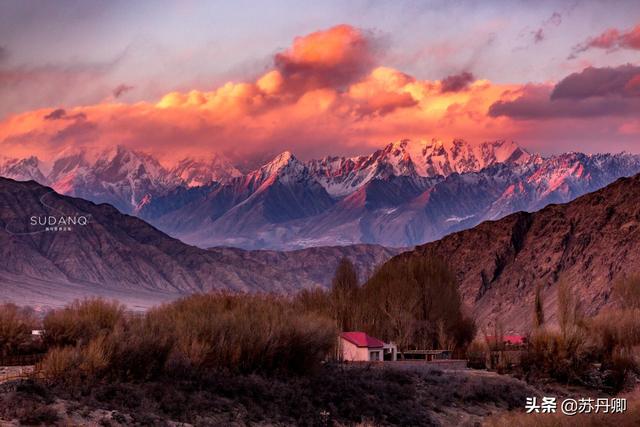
x: 413, y: 302
x: 219, y: 332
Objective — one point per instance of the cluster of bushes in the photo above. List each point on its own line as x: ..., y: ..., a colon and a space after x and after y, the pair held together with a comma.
x: 412, y: 301
x: 600, y: 352
x: 221, y: 331
x: 16, y: 325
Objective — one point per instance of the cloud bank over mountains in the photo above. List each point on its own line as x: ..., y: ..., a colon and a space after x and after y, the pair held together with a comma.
x: 330, y: 91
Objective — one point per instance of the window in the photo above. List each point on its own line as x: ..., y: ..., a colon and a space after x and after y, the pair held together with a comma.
x: 374, y: 356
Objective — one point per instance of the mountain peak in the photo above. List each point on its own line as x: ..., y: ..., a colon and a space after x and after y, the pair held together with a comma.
x: 196, y: 172
x: 284, y: 161
x: 283, y: 158
x: 21, y: 169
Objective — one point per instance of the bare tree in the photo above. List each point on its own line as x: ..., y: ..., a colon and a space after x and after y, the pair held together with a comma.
x: 344, y: 288
x: 538, y: 308
x: 569, y: 310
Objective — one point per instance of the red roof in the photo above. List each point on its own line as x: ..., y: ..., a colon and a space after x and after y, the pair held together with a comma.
x: 360, y: 339
x: 510, y: 339
x: 514, y: 339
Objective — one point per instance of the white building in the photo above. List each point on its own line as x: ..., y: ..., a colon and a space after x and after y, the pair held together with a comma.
x: 360, y: 347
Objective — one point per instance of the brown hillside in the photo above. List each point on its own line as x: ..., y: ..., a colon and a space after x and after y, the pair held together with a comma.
x: 590, y: 241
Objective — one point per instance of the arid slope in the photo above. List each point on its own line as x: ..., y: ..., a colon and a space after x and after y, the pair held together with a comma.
x: 590, y: 242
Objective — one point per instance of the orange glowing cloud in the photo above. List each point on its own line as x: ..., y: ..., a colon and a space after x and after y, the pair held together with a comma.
x: 326, y: 94
x: 332, y: 58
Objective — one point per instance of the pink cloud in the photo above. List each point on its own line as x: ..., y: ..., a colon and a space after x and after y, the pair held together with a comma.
x: 611, y: 39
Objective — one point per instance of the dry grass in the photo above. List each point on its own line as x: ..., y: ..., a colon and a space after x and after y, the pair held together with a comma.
x: 81, y: 321
x: 333, y: 395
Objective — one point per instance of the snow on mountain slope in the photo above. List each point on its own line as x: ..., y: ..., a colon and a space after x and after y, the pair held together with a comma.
x: 376, y: 213
x: 121, y: 256
x: 341, y: 176
x: 124, y: 178
x: 562, y: 178
x: 21, y: 169
x: 235, y: 213
x: 407, y: 193
x: 199, y: 172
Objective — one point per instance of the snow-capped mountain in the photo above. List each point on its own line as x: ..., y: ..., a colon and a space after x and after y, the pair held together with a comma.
x: 407, y: 193
x: 21, y: 169
x: 199, y: 172
x: 560, y: 179
x: 235, y: 212
x: 342, y: 176
x: 404, y: 194
x: 124, y: 178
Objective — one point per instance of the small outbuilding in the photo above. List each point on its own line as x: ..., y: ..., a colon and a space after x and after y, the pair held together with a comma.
x: 360, y: 347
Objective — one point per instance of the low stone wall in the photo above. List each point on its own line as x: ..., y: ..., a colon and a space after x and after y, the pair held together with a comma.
x: 421, y: 365
x: 9, y: 373
x: 415, y: 365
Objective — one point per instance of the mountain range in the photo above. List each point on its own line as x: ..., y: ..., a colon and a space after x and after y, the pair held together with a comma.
x: 589, y: 242
x: 55, y: 248
x: 408, y: 193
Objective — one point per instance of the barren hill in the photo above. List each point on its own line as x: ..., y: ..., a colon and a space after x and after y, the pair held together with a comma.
x: 590, y: 241
x: 121, y: 256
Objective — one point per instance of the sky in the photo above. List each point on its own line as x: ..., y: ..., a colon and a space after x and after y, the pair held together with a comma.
x: 250, y: 79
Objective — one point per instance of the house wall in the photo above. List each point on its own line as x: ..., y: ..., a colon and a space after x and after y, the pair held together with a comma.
x: 351, y: 352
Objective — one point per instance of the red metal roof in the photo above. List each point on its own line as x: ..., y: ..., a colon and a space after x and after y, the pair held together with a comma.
x: 360, y: 339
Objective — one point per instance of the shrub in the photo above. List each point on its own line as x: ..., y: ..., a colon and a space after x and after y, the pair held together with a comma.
x: 59, y: 363
x: 477, y: 354
x: 615, y: 339
x: 15, y: 329
x: 247, y: 333
x: 81, y: 321
x: 562, y: 356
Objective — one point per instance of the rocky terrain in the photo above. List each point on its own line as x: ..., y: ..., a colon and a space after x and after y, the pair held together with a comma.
x: 117, y: 255
x: 589, y: 242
